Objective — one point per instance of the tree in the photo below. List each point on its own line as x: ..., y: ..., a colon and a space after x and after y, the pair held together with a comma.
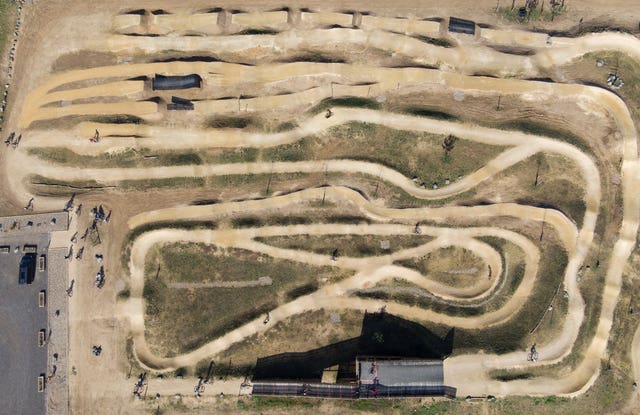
x: 448, y: 144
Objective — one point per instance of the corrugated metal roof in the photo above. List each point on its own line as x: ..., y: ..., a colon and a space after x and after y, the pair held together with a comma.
x: 402, y: 372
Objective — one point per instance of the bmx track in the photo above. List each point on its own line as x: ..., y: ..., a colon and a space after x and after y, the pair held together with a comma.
x: 453, y: 68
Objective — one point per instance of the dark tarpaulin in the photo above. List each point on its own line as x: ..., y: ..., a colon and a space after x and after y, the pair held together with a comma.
x: 176, y: 82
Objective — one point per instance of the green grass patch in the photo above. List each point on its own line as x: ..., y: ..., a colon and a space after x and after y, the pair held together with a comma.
x: 532, y: 15
x: 8, y: 14
x: 236, y: 155
x: 129, y: 158
x: 264, y: 403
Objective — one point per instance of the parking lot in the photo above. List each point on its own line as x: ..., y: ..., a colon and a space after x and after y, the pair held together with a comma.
x: 21, y: 359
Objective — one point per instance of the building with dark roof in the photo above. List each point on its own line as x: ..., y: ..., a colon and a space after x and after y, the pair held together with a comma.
x: 462, y: 26
x: 161, y: 82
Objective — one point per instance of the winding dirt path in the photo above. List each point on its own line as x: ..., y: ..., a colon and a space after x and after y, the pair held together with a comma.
x: 526, y: 145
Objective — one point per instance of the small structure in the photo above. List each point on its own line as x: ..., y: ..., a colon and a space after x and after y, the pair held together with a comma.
x: 30, y: 249
x: 178, y: 103
x: 162, y: 82
x: 42, y: 337
x: 457, y: 25
x: 42, y: 263
x: 42, y: 298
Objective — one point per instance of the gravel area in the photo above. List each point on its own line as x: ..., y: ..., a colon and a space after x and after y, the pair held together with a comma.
x: 58, y: 301
x: 35, y: 231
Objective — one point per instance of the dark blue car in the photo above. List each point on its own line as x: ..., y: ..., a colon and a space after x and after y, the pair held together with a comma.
x: 27, y: 269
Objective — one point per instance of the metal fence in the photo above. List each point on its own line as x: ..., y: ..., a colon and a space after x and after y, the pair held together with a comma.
x: 282, y: 389
x: 381, y: 391
x: 323, y: 390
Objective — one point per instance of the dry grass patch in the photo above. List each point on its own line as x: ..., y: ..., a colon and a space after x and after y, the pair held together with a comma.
x: 453, y: 266
x: 515, y: 333
x: 414, y: 154
x: 543, y: 180
x: 299, y: 333
x: 181, y: 319
x: 347, y: 245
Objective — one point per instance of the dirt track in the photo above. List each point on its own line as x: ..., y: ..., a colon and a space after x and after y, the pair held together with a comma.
x: 464, y: 59
x: 369, y: 271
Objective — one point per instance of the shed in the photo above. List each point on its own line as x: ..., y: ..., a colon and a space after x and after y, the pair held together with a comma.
x: 176, y: 82
x: 462, y: 26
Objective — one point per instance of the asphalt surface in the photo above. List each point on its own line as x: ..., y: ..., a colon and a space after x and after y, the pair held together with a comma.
x: 21, y: 360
